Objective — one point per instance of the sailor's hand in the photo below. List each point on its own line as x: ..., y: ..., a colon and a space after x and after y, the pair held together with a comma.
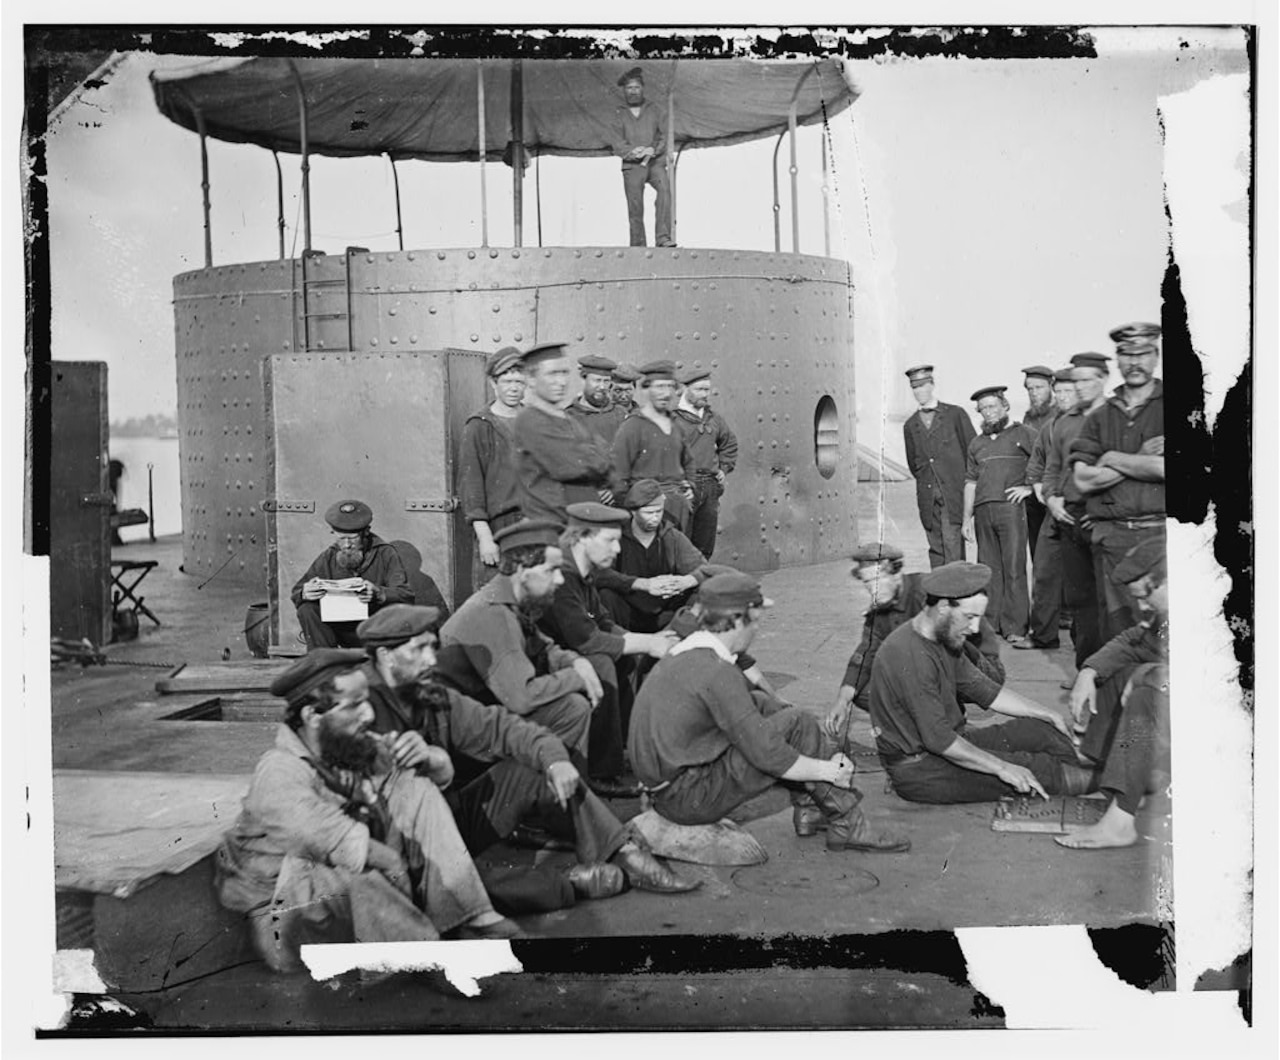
x: 843, y: 766
x: 590, y: 679
x: 489, y: 553
x: 1017, y: 494
x: 720, y: 476
x: 1021, y: 779
x: 408, y: 749
x: 438, y: 767
x: 838, y: 717
x: 1060, y: 723
x: 386, y: 861
x: 1084, y: 696
x: 1153, y: 446
x: 1058, y: 509
x: 661, y: 643
x: 312, y: 590
x: 563, y: 780
x: 367, y: 593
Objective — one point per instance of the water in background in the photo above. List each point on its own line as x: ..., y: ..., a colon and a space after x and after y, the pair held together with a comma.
x: 136, y: 453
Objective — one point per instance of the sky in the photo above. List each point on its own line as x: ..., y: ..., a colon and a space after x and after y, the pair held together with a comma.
x: 996, y: 213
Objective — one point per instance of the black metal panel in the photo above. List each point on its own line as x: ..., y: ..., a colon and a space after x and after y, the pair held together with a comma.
x: 79, y: 503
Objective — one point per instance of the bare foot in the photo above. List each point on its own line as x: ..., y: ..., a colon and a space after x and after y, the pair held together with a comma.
x: 1115, y: 829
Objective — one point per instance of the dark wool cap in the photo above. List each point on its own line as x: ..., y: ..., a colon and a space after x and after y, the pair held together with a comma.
x: 626, y: 373
x: 599, y: 365
x: 528, y: 532
x: 997, y: 390
x: 642, y: 492
x: 1064, y: 375
x: 1148, y: 557
x: 313, y: 670
x: 921, y: 373
x: 732, y: 591
x: 1089, y: 359
x: 396, y: 624
x: 544, y: 351
x: 656, y: 370
x: 692, y: 375
x: 503, y: 361
x: 634, y: 74
x: 1138, y: 334
x: 593, y: 515
x: 347, y: 517
x: 1039, y: 370
x: 955, y: 581
x: 875, y: 552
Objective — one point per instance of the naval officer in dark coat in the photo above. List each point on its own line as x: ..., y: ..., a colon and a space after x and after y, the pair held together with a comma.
x: 937, y: 438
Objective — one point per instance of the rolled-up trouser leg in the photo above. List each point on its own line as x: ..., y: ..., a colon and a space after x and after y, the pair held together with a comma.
x: 1140, y: 752
x: 704, y: 794
x: 423, y: 831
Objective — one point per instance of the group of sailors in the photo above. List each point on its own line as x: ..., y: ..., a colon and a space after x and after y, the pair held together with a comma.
x: 603, y: 655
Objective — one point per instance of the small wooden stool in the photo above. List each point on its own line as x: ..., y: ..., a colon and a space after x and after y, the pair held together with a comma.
x: 126, y: 576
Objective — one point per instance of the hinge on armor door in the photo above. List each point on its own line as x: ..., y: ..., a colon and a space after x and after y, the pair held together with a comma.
x: 297, y: 507
x: 449, y: 504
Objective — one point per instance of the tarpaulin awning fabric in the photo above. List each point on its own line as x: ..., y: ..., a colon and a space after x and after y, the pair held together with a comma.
x: 427, y: 108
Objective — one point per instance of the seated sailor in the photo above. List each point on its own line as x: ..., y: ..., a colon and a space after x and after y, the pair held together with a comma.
x: 358, y: 557
x: 920, y: 677
x: 496, y: 770
x: 335, y: 842
x: 1137, y: 757
x: 702, y: 746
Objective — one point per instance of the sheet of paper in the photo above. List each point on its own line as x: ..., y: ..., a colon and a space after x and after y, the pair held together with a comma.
x: 342, y: 607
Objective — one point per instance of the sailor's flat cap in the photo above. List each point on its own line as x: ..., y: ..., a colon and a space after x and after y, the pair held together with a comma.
x: 1146, y: 557
x: 592, y: 514
x: 979, y: 394
x: 349, y: 516
x: 313, y: 670
x: 599, y: 365
x: 503, y: 361
x: 528, y: 532
x: 921, y: 373
x: 1040, y: 371
x: 643, y: 491
x: 656, y: 370
x: 396, y: 624
x: 692, y: 375
x: 875, y: 552
x: 955, y: 581
x: 626, y: 373
x: 732, y: 591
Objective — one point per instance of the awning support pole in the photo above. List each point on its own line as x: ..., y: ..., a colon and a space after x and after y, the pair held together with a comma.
x: 777, y: 208
x: 279, y: 202
x: 795, y: 169
x: 517, y: 152
x: 480, y: 134
x: 305, y: 147
x: 795, y: 184
x: 826, y: 209
x: 671, y: 147
x: 204, y: 187
x: 537, y: 191
x: 395, y: 181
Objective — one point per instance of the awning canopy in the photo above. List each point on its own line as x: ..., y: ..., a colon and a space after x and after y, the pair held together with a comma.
x: 427, y: 108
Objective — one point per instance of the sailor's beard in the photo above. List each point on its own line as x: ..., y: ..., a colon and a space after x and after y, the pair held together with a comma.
x: 349, y: 559
x: 346, y: 750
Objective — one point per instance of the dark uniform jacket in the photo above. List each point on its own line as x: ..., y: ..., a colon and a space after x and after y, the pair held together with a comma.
x: 670, y: 552
x: 381, y: 566
x: 1114, y: 427
x: 936, y: 458
x: 647, y: 129
x: 982, y: 648
x: 1136, y: 645
x: 487, y: 653
x: 642, y: 450
x: 917, y: 686
x: 486, y: 471
x: 1058, y: 479
x: 713, y: 445
x: 471, y: 731
x: 558, y: 462
x: 1043, y: 426
x: 603, y: 423
x: 578, y: 619
x: 998, y: 461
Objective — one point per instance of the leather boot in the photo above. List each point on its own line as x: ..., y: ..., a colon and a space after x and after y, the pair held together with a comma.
x: 807, y: 817
x: 847, y: 827
x: 646, y: 873
x: 1079, y: 780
